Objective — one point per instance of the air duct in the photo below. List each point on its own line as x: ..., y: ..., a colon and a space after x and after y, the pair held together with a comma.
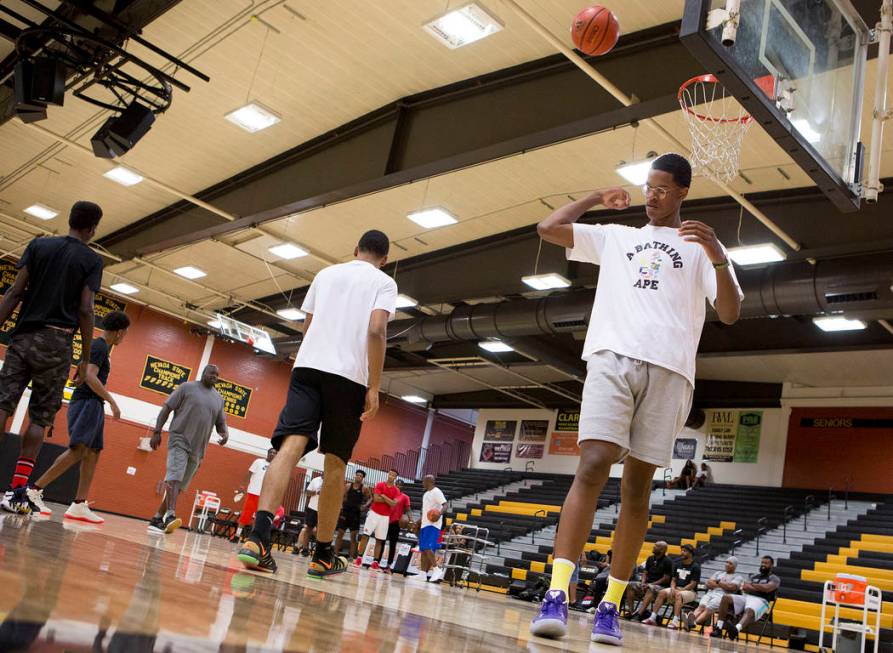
x: 858, y: 285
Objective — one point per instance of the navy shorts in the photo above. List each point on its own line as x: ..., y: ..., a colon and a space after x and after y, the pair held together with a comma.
x: 86, y: 423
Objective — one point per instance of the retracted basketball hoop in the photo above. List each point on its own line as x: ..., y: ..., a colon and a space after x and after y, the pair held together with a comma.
x: 717, y: 124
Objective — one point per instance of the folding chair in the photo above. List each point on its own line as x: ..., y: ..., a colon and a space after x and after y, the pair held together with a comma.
x: 768, y: 620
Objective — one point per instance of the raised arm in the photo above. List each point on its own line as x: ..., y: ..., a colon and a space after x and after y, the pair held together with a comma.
x: 377, y: 345
x: 558, y: 227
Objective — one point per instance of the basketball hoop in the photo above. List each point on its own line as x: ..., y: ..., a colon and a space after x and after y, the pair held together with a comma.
x: 717, y: 127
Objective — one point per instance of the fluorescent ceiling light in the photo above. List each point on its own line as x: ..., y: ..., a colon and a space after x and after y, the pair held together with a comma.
x: 495, y: 346
x: 838, y: 323
x: 288, y: 251
x: 802, y: 125
x: 464, y: 25
x: 415, y: 399
x: 756, y: 254
x: 123, y: 176
x: 547, y: 281
x: 124, y: 288
x: 41, y: 211
x: 291, y: 314
x: 405, y: 301
x: 635, y: 173
x: 190, y: 272
x: 253, y: 117
x: 432, y: 218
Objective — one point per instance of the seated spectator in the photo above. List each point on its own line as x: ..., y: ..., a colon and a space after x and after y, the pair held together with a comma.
x: 657, y: 573
x: 753, y: 604
x: 720, y: 584
x: 705, y: 476
x: 683, y: 588
x: 686, y: 477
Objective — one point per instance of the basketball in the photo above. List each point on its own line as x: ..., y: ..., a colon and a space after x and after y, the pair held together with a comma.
x: 404, y: 522
x: 595, y: 30
x: 433, y: 514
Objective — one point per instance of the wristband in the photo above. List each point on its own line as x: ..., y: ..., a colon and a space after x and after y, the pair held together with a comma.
x: 721, y: 266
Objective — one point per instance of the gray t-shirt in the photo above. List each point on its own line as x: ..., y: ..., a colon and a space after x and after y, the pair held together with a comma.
x: 197, y: 410
x: 725, y: 577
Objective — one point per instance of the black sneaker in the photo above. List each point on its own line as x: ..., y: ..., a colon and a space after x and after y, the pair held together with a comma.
x: 172, y: 523
x: 16, y: 501
x: 156, y: 525
x: 305, y: 552
x: 716, y: 633
x: 730, y: 631
x: 255, y: 555
x: 326, y: 563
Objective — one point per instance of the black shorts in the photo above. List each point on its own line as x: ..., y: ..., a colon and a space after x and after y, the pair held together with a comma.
x: 86, y: 423
x: 311, y: 518
x: 317, y: 399
x: 349, y: 520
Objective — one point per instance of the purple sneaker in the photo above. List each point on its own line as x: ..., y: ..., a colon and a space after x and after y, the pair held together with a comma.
x: 551, y: 621
x: 606, y: 629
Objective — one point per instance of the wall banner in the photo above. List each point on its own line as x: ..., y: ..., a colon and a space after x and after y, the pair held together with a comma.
x: 564, y: 444
x: 534, y: 430
x: 747, y: 440
x: 235, y: 397
x: 721, y: 429
x: 568, y: 421
x: 500, y: 430
x: 163, y: 376
x: 529, y: 450
x: 496, y: 452
x: 684, y: 448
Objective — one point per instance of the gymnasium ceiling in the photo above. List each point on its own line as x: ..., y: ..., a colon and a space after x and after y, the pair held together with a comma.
x: 378, y: 119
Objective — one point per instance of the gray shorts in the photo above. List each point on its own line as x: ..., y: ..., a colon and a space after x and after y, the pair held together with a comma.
x: 636, y: 405
x: 181, y: 464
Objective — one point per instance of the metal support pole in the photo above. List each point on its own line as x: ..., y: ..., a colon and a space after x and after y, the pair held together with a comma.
x: 880, y: 114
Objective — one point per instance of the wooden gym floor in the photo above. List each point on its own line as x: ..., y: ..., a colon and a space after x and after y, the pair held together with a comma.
x: 73, y: 587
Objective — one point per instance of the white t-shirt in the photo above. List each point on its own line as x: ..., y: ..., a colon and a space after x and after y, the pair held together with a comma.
x: 341, y: 299
x: 258, y: 469
x: 432, y: 499
x: 314, y: 486
x: 649, y: 302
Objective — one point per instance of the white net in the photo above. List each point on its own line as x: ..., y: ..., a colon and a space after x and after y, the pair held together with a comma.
x: 717, y: 124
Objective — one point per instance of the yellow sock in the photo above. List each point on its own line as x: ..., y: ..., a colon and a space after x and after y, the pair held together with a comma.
x: 562, y: 570
x: 616, y: 588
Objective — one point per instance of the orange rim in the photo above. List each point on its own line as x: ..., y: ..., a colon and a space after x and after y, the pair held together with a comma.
x: 707, y: 79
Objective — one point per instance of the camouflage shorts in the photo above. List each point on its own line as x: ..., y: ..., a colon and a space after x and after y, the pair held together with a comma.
x: 42, y: 358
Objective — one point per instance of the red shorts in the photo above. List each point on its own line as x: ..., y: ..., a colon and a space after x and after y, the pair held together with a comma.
x: 248, y: 509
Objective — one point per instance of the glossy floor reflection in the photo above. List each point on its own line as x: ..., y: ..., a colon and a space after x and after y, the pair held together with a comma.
x: 116, y: 588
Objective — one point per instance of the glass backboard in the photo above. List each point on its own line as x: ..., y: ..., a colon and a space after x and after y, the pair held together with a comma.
x: 798, y: 67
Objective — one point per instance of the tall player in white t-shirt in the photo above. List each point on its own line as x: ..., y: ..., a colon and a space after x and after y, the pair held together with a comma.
x: 640, y: 350
x: 333, y: 389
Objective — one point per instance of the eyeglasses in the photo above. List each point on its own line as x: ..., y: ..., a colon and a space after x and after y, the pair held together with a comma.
x: 660, y: 191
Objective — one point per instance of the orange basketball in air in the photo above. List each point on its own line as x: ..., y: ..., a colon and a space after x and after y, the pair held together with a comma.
x: 595, y: 30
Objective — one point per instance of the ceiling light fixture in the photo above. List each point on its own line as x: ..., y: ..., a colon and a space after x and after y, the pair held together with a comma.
x: 414, y: 399
x: 124, y: 288
x: 41, y: 211
x: 464, y: 25
x: 292, y: 314
x: 405, y: 301
x: 756, y: 254
x: 548, y: 281
x: 838, y: 323
x: 288, y: 251
x: 432, y: 218
x: 190, y: 272
x: 495, y: 346
x: 636, y: 172
x: 123, y: 176
x: 253, y: 117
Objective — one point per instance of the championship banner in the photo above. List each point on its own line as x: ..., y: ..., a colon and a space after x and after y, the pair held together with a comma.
x: 567, y: 421
x: 564, y: 444
x: 534, y: 430
x: 530, y: 450
x: 103, y: 305
x: 747, y: 442
x: 496, y: 452
x: 684, y: 448
x: 721, y: 430
x: 235, y: 397
x: 163, y: 376
x: 500, y: 430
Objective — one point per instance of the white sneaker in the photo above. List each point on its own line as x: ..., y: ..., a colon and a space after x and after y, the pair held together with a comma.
x: 36, y: 497
x: 81, y: 512
x: 16, y: 502
x: 436, y: 575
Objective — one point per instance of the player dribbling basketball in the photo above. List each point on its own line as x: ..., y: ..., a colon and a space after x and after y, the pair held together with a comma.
x: 640, y: 350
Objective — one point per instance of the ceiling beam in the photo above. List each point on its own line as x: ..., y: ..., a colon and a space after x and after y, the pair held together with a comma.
x: 431, y: 133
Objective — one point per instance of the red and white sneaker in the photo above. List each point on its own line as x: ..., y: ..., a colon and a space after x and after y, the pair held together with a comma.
x: 358, y: 562
x: 35, y: 496
x: 81, y: 512
x: 375, y: 566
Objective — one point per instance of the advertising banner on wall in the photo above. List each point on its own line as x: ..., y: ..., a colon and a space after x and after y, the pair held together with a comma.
x: 500, y: 430
x: 496, y: 452
x: 721, y: 428
x: 567, y: 421
x: 564, y: 444
x: 534, y: 430
x: 747, y: 438
x: 529, y: 450
x: 684, y: 448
